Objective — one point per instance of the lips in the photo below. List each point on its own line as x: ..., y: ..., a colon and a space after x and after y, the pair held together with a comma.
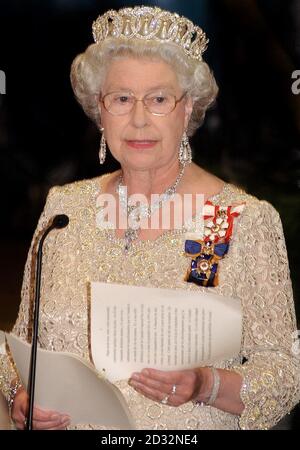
x: 145, y: 143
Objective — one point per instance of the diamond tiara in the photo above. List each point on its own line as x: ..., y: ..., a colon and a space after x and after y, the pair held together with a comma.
x: 151, y: 23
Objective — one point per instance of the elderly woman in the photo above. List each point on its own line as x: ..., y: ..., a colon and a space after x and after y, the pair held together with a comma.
x: 145, y: 85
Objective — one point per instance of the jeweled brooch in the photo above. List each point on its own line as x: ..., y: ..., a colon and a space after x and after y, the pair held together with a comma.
x: 206, y: 252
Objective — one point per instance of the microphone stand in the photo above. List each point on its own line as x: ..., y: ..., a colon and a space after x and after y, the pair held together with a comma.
x: 59, y: 221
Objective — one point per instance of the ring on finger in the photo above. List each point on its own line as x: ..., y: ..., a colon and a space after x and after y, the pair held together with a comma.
x: 174, y: 387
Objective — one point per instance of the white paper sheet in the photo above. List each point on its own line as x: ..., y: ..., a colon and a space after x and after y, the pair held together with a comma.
x: 136, y: 327
x: 67, y: 383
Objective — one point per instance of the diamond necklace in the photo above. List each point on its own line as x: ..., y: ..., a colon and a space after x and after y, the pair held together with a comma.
x: 136, y: 213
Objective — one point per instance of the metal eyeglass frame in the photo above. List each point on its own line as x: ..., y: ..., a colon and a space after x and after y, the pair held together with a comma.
x: 101, y: 100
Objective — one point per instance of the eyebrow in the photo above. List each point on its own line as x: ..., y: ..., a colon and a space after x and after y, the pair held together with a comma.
x: 152, y: 88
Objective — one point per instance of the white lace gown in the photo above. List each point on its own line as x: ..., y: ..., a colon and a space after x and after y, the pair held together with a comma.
x: 255, y: 270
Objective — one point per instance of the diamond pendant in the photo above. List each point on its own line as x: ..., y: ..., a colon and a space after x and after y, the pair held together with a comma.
x: 130, y: 235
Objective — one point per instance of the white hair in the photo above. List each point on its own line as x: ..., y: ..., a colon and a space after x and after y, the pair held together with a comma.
x: 88, y: 72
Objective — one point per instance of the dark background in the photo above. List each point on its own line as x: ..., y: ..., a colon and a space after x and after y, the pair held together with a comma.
x: 250, y: 137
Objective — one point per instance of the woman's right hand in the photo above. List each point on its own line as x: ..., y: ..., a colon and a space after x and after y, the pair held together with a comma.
x: 42, y: 419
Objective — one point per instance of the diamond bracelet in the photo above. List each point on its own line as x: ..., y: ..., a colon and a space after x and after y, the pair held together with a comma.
x: 214, y: 392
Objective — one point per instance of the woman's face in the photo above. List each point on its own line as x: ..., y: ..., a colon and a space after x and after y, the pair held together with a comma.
x: 126, y: 134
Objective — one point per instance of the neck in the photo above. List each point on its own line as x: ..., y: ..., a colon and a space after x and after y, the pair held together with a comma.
x: 153, y: 181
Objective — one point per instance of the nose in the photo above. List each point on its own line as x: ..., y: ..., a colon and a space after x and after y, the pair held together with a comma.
x: 139, y: 115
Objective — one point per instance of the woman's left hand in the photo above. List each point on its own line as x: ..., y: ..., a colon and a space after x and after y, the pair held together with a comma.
x: 173, y: 387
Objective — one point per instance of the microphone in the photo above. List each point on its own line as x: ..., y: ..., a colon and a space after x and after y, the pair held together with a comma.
x: 58, y: 222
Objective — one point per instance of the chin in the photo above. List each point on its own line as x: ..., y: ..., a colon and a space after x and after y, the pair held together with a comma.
x: 141, y: 162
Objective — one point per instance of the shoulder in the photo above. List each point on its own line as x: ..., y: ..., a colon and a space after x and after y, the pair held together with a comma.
x: 76, y: 189
x: 74, y: 199
x: 256, y: 211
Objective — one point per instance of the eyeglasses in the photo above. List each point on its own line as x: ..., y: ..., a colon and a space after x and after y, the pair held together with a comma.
x: 158, y: 104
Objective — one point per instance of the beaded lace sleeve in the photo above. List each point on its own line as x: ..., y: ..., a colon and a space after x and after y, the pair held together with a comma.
x: 7, y: 373
x: 271, y: 373
x: 22, y: 327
